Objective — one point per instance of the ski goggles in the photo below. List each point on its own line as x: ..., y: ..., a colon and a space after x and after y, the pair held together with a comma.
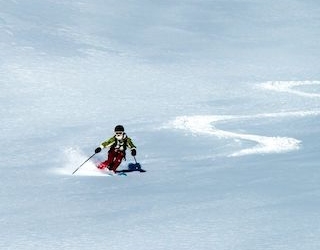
x: 118, y: 133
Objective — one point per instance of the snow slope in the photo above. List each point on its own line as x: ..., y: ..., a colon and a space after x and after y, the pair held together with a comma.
x: 222, y: 99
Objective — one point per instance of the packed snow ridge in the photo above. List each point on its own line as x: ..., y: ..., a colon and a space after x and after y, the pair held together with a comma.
x: 206, y: 124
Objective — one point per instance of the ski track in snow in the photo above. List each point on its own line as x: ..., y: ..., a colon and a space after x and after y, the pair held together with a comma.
x: 264, y: 144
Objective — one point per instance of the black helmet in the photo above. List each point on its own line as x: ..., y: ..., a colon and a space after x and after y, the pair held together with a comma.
x: 119, y: 128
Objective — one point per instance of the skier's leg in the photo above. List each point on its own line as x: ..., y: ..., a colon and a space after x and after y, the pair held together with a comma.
x: 108, y: 162
x: 117, y: 161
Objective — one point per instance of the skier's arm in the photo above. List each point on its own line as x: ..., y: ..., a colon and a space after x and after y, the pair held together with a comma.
x: 131, y: 146
x: 108, y: 143
x: 105, y: 144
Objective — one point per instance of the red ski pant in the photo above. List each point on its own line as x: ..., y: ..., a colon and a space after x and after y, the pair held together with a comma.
x: 114, y: 159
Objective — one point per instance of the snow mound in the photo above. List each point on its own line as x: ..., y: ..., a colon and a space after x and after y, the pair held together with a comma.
x: 290, y: 87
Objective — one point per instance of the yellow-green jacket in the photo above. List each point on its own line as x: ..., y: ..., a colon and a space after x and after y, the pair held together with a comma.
x: 116, y: 144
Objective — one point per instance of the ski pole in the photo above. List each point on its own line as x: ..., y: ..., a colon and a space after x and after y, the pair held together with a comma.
x: 83, y: 163
x: 135, y: 159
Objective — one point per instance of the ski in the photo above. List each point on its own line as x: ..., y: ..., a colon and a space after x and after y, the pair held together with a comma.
x: 132, y: 167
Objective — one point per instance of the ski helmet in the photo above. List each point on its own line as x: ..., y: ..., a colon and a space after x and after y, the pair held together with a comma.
x: 119, y: 128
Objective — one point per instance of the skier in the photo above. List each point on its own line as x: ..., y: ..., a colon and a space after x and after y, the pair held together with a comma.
x: 118, y: 145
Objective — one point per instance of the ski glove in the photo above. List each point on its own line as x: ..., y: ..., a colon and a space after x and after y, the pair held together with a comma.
x: 97, y: 150
x: 133, y: 152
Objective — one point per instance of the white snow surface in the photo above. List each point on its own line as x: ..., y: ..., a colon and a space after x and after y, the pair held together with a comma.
x: 222, y: 99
